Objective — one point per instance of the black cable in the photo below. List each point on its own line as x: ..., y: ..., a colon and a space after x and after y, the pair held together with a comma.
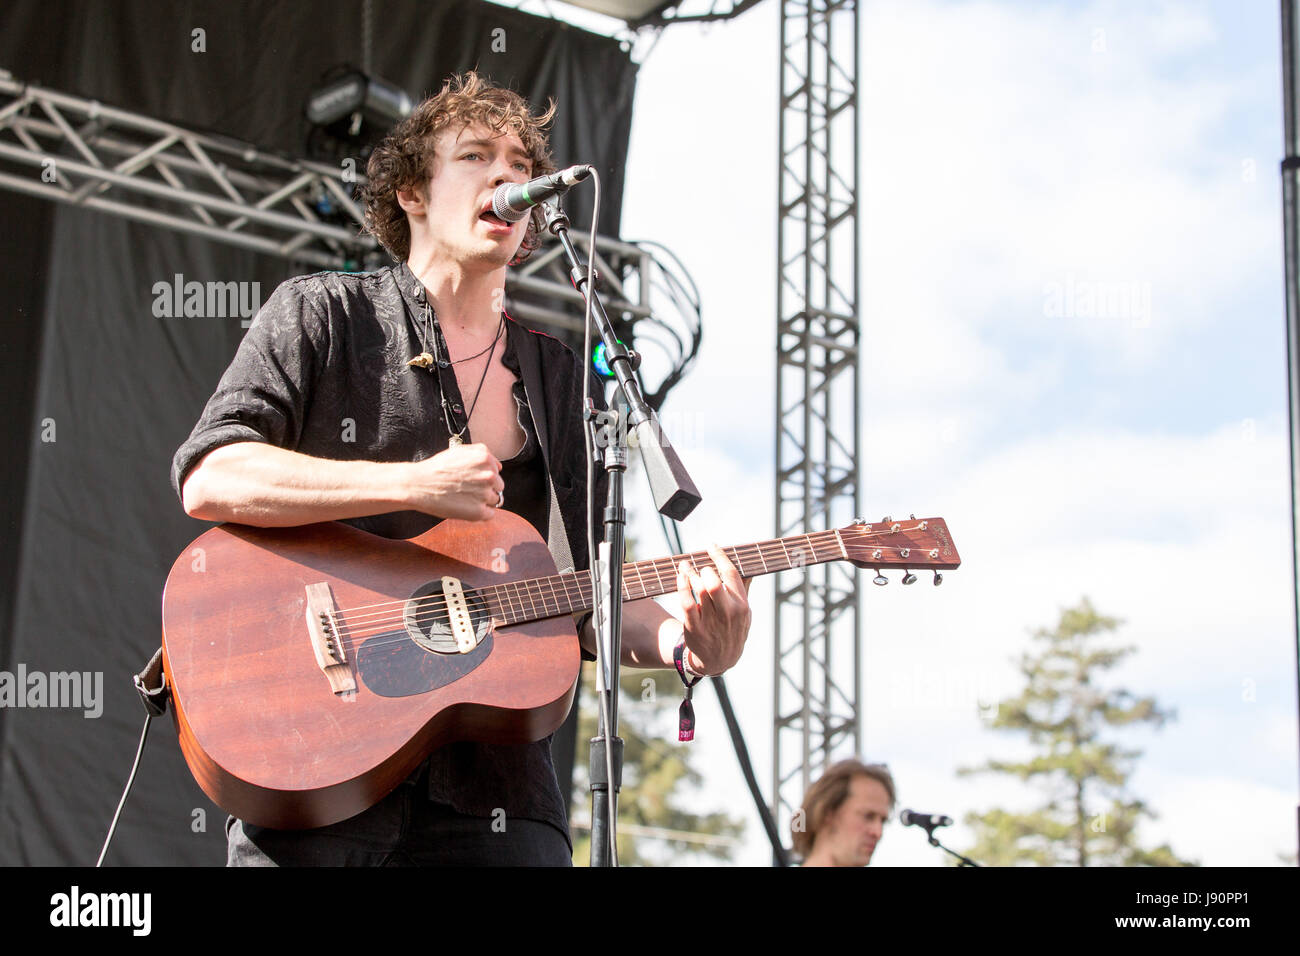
x: 672, y: 532
x: 779, y: 851
x: 679, y: 347
x: 139, y: 751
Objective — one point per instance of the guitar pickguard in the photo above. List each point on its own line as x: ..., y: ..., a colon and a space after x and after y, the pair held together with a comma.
x: 423, y: 654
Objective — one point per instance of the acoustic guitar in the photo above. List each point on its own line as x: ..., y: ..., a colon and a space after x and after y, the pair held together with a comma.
x: 313, y: 668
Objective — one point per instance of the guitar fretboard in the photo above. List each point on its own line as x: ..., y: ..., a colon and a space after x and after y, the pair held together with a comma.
x: 536, y: 598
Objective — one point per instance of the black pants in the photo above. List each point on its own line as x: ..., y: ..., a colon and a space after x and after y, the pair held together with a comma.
x: 403, y: 829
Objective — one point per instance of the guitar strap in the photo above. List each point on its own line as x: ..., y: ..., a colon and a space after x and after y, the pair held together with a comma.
x: 151, y: 685
x: 530, y: 369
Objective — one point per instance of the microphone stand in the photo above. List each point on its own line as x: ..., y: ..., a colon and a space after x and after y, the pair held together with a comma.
x: 934, y: 841
x: 675, y: 496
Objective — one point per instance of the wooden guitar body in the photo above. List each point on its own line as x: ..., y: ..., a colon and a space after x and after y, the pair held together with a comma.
x: 266, y: 735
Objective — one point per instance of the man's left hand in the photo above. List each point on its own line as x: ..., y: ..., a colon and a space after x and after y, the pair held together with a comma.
x: 715, y: 605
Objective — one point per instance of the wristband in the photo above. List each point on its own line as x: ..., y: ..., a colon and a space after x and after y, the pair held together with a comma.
x: 686, y: 713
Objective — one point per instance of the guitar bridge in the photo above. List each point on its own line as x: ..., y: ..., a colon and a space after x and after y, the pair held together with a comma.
x: 326, y: 639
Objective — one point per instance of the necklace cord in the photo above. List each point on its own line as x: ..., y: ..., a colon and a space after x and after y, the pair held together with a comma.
x: 440, y: 348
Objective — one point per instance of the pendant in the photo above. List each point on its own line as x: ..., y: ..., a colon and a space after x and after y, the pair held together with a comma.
x: 423, y: 360
x: 454, y: 441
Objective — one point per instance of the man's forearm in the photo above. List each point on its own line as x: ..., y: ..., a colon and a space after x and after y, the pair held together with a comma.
x: 263, y: 485
x: 649, y: 635
x: 270, y: 487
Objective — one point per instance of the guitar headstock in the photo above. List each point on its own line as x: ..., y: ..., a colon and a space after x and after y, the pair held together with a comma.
x: 913, y: 544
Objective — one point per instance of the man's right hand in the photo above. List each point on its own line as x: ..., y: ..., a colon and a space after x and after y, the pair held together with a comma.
x: 462, y: 482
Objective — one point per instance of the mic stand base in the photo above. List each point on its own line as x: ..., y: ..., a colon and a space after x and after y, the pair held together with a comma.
x: 601, y: 836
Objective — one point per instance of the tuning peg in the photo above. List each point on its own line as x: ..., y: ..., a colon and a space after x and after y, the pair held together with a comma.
x: 879, y: 579
x: 861, y: 521
x: 908, y: 577
x: 938, y: 579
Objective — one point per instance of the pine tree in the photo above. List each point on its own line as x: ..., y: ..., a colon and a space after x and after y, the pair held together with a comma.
x: 1089, y: 818
x: 656, y: 768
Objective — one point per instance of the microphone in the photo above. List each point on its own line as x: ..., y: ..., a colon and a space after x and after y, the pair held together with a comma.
x: 929, y: 821
x: 512, y: 201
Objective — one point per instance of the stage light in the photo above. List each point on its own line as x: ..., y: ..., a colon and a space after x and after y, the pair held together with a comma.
x: 357, y: 99
x: 346, y: 115
x: 598, y: 360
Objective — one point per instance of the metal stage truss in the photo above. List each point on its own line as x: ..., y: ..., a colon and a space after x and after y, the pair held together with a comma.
x: 77, y: 151
x: 818, y: 660
x: 74, y: 150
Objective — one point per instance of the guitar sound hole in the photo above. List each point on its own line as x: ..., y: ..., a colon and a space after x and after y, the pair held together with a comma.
x: 426, y: 620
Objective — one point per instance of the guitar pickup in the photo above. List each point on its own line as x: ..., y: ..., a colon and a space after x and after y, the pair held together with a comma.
x: 326, y: 638
x: 462, y: 628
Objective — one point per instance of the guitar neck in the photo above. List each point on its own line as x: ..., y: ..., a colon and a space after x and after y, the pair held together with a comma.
x: 570, y: 593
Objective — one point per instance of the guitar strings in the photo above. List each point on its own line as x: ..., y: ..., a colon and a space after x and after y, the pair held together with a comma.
x: 525, y: 602
x: 764, y: 548
x: 660, y: 567
x: 502, y: 613
x: 534, y: 591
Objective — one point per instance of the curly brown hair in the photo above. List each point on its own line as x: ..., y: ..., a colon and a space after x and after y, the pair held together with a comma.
x: 404, y: 159
x: 828, y: 794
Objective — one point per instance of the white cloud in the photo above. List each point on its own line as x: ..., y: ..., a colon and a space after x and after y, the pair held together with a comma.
x: 1005, y: 159
x: 1222, y: 821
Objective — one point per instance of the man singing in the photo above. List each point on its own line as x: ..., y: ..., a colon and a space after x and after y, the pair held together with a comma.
x: 323, y: 415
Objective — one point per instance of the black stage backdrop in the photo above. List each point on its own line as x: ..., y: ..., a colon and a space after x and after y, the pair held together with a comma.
x: 100, y: 391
